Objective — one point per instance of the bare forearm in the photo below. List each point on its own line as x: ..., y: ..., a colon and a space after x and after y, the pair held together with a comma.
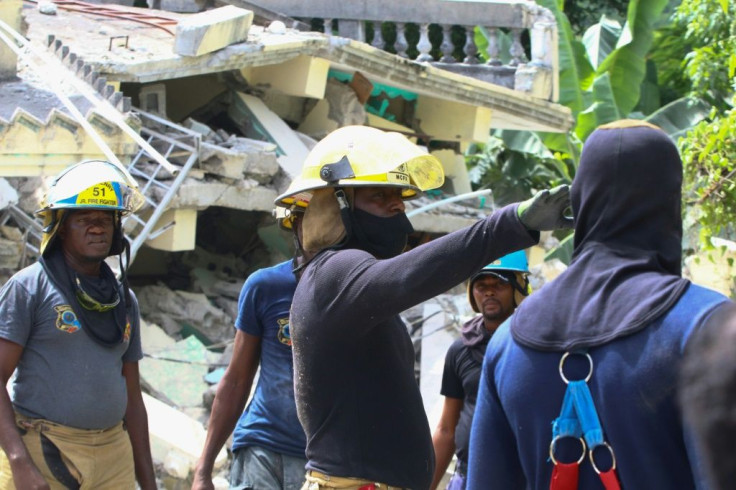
x: 25, y: 472
x: 444, y: 447
x: 226, y: 409
x: 136, y: 420
x: 10, y: 439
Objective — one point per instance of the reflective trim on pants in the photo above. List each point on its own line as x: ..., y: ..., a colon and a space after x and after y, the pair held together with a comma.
x: 320, y: 481
x: 70, y: 458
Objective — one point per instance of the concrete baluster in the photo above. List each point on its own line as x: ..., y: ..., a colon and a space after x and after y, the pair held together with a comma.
x: 378, y: 41
x: 424, y: 46
x: 470, y: 49
x: 517, y: 50
x: 493, y: 48
x: 401, y: 44
x: 447, y: 47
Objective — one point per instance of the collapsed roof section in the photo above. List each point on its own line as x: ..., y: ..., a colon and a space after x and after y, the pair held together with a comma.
x: 237, y: 109
x: 126, y: 50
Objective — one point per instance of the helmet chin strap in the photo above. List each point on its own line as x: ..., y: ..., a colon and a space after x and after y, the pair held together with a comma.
x: 345, y: 215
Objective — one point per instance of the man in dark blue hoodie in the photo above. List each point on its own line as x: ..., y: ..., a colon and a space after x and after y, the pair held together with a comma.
x: 579, y: 385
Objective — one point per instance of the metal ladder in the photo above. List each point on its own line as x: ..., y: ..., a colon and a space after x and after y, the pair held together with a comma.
x: 158, y: 184
x: 180, y: 147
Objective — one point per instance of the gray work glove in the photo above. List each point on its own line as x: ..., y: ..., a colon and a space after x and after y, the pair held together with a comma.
x: 546, y: 210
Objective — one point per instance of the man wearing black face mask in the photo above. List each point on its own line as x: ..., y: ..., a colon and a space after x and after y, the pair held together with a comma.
x: 353, y: 359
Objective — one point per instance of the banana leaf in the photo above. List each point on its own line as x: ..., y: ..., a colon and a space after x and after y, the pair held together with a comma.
x: 626, y: 65
x: 600, y: 40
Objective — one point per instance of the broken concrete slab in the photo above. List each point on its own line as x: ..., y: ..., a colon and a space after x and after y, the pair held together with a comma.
x: 154, y: 338
x: 302, y: 76
x: 211, y: 30
x: 11, y: 233
x: 288, y: 107
x: 224, y: 265
x: 177, y: 372
x: 340, y: 107
x: 176, y: 436
x: 175, y: 230
x: 11, y: 253
x: 240, y: 157
x: 8, y: 195
x: 183, y: 6
x: 160, y: 305
x: 199, y: 127
x: 291, y: 149
x: 10, y: 13
x: 210, y: 321
x: 229, y: 306
x: 245, y: 194
x: 210, y: 283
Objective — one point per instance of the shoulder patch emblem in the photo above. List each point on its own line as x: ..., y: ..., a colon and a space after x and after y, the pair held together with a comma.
x: 284, y: 333
x: 66, y: 319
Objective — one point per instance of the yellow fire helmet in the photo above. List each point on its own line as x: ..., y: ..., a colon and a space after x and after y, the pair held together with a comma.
x: 91, y: 184
x: 354, y: 156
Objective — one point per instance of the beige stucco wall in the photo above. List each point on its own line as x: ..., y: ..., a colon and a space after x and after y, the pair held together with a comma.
x: 10, y: 14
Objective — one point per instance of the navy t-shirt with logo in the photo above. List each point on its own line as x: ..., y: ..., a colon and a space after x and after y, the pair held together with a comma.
x: 270, y: 418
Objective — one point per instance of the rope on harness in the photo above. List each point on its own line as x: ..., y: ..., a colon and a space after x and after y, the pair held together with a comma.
x: 579, y: 419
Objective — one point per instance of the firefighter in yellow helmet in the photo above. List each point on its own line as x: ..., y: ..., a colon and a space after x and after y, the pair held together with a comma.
x: 71, y: 333
x: 356, y: 394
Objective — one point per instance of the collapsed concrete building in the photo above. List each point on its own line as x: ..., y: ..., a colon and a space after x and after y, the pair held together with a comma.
x: 212, y: 106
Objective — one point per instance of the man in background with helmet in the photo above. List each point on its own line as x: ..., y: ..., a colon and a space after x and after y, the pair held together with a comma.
x: 268, y: 442
x: 70, y: 336
x: 356, y: 394
x: 495, y: 291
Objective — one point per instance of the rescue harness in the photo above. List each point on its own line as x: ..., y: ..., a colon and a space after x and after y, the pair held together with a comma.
x: 579, y: 420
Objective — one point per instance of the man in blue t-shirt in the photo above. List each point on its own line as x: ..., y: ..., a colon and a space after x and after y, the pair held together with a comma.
x: 268, y: 441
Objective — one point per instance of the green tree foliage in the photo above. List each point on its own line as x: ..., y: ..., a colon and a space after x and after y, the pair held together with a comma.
x: 585, y: 13
x: 514, y: 164
x: 710, y: 34
x: 709, y: 154
x: 709, y: 150
x: 601, y: 79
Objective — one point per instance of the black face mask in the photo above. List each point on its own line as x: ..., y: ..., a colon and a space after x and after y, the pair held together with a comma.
x: 381, y: 237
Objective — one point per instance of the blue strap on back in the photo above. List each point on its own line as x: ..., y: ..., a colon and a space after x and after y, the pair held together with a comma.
x: 578, y: 416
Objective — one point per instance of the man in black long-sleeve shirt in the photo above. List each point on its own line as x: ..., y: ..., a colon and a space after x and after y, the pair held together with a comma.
x: 357, y: 398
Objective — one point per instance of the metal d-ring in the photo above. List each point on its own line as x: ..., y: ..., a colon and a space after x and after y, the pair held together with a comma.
x: 552, y: 449
x: 613, y: 457
x: 562, y: 363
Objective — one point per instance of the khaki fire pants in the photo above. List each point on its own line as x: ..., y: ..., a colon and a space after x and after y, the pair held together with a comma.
x: 70, y: 458
x: 320, y: 481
